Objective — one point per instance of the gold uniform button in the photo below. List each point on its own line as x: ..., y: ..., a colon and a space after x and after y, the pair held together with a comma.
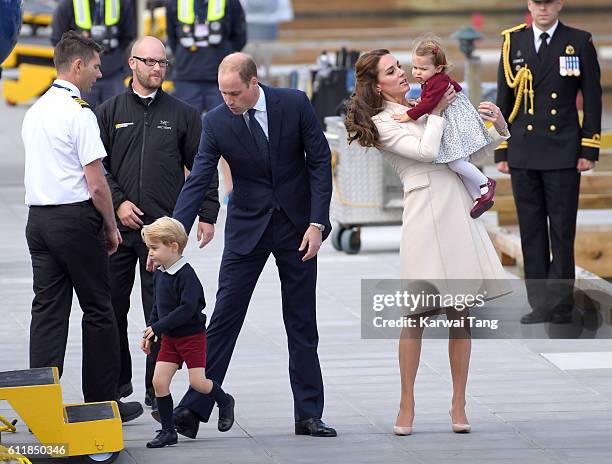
x: 529, y: 127
x: 553, y: 127
x: 553, y: 112
x: 553, y: 95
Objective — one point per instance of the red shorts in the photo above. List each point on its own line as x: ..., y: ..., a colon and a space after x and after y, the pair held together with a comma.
x: 190, y: 349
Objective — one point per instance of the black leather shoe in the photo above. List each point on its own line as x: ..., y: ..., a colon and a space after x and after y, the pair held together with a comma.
x: 186, y: 422
x: 163, y: 438
x: 536, y: 317
x: 561, y: 317
x: 125, y: 390
x: 314, y: 428
x: 226, y: 415
x: 129, y: 411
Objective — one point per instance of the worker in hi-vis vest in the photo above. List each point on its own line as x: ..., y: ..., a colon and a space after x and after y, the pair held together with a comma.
x: 201, y: 33
x: 111, y: 24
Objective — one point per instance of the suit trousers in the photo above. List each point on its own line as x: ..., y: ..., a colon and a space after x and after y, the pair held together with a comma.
x: 237, y: 279
x: 547, y: 207
x: 131, y: 252
x: 67, y: 247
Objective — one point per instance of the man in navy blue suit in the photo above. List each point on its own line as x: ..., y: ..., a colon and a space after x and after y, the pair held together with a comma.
x: 281, y: 167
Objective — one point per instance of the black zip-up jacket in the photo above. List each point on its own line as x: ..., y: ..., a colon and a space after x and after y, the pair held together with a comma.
x: 147, y: 149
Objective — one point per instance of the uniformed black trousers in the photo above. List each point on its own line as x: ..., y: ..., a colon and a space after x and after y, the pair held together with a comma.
x: 131, y: 252
x: 67, y: 248
x: 547, y: 206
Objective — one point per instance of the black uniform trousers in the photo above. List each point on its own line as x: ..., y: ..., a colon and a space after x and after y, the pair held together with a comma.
x: 237, y: 279
x: 67, y: 247
x: 130, y: 253
x: 547, y: 200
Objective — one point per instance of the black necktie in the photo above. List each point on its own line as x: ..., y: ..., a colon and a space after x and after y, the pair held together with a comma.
x: 261, y: 141
x: 146, y: 101
x: 543, y: 45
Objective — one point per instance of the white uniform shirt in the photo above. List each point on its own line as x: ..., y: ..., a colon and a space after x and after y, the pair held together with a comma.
x: 60, y: 137
x: 537, y: 32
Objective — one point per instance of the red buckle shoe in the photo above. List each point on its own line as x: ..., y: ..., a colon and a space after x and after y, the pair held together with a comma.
x: 491, y: 192
x: 485, y: 202
x: 480, y: 207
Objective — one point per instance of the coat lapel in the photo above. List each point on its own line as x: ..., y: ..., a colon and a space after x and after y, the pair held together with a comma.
x: 552, y: 55
x: 275, y: 113
x: 242, y: 133
x: 531, y: 57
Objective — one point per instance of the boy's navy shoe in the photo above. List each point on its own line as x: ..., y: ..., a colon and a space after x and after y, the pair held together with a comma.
x: 164, y: 438
x: 226, y: 415
x: 129, y: 411
x: 314, y: 428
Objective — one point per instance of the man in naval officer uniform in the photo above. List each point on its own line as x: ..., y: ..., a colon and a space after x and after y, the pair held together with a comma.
x: 542, y: 69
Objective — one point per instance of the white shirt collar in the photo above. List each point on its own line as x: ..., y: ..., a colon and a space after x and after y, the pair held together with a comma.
x: 537, y: 31
x: 175, y: 267
x: 69, y: 85
x: 260, y: 105
x: 151, y: 95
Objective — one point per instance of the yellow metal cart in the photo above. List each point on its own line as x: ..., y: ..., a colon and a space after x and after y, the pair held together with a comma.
x: 91, y: 431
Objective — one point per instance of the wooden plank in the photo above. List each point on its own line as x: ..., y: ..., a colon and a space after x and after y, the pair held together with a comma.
x: 595, y: 193
x: 507, y: 242
x: 506, y: 207
x: 593, y: 249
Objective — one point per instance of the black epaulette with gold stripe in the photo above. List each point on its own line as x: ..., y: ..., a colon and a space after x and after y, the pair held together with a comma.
x: 81, y: 102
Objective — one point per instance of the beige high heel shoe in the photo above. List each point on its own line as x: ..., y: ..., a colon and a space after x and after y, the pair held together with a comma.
x: 402, y: 431
x: 459, y: 428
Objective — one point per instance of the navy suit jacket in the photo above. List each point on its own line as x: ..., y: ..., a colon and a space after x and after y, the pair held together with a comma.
x: 298, y: 181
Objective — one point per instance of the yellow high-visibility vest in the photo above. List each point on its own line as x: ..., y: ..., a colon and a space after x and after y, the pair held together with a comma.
x: 186, y: 11
x: 82, y: 13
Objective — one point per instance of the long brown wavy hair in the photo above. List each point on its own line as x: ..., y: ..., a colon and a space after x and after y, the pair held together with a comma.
x: 365, y: 101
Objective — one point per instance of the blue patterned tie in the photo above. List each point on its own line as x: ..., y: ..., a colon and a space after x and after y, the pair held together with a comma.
x: 259, y: 136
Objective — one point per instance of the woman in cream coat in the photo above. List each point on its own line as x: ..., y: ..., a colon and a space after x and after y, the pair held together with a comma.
x: 439, y: 238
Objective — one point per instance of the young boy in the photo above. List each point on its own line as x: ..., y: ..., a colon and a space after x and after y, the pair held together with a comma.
x: 178, y: 318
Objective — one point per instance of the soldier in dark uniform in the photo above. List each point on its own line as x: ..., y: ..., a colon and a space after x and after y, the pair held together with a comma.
x: 541, y: 71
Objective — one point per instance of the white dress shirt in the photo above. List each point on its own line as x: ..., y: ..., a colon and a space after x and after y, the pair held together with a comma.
x: 60, y: 137
x: 537, y: 41
x: 151, y: 95
x: 261, y: 112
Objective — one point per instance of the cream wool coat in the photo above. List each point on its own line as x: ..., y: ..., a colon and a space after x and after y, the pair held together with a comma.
x: 439, y: 238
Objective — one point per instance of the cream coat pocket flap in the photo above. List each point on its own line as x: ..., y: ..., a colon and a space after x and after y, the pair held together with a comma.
x: 416, y: 182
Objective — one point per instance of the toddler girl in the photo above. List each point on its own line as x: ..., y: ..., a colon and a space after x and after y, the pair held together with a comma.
x: 465, y: 132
